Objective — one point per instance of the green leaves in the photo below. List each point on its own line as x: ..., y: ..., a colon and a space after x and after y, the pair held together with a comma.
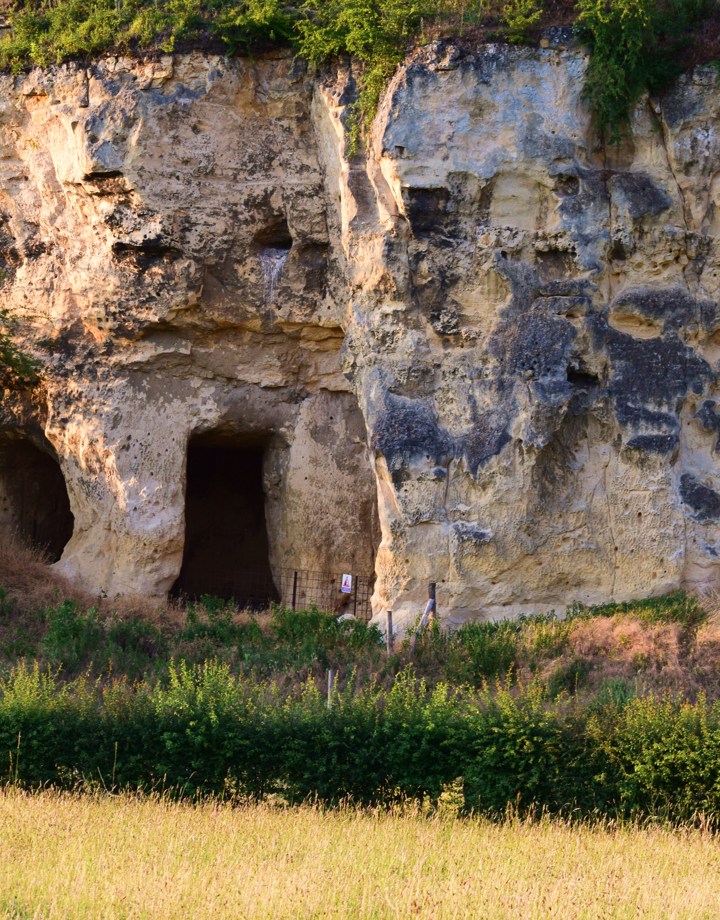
x: 635, y: 46
x: 202, y: 730
x: 520, y: 16
x: 50, y: 32
x: 635, y: 43
x: 241, y: 26
x: 377, y: 33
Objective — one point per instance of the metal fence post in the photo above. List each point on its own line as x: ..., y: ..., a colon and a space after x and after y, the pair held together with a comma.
x: 294, y: 594
x: 389, y: 633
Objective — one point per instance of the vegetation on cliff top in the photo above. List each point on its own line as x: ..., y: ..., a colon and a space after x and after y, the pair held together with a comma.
x: 636, y: 44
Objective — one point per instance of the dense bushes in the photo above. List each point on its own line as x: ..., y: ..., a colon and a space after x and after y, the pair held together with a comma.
x: 573, y: 715
x: 634, y: 43
x: 204, y: 731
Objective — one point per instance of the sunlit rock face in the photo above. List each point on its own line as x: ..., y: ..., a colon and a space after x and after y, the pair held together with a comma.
x: 490, y: 333
x: 166, y: 246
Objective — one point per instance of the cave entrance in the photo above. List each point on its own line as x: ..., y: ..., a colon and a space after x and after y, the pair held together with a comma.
x: 226, y: 550
x: 34, y: 503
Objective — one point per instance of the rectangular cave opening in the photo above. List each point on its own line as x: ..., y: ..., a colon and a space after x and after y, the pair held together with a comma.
x: 226, y: 551
x: 34, y: 502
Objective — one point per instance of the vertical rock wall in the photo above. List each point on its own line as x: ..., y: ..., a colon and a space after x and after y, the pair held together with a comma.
x: 165, y: 248
x: 489, y: 332
x: 538, y: 364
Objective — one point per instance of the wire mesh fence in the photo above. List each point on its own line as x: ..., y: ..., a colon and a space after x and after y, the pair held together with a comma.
x: 325, y: 590
x: 295, y: 588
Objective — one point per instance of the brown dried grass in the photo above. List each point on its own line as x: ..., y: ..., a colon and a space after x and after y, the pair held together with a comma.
x: 654, y: 657
x: 30, y: 582
x: 33, y: 584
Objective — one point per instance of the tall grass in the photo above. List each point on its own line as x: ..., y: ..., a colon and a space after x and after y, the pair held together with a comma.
x: 69, y: 858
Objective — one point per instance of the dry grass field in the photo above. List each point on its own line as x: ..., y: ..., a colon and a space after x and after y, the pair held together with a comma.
x: 73, y: 857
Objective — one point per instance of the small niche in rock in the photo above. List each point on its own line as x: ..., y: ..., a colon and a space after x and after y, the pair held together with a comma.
x: 226, y: 551
x: 273, y: 246
x: 34, y: 503
x: 617, y: 251
x: 581, y: 378
x: 554, y: 264
x: 567, y: 186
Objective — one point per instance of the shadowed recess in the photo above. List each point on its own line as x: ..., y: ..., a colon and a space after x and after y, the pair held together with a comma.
x: 34, y: 503
x: 226, y: 542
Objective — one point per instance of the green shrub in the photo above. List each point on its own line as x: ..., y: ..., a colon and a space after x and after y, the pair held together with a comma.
x: 491, y: 647
x: 203, y: 730
x: 247, y: 25
x: 543, y: 636
x: 131, y: 646
x: 635, y: 45
x: 665, y: 754
x: 211, y: 619
x: 568, y: 677
x: 377, y: 33
x: 303, y: 637
x: 6, y: 605
x: 519, y: 17
x: 48, y: 733
x: 72, y: 637
x: 614, y: 692
x: 49, y: 32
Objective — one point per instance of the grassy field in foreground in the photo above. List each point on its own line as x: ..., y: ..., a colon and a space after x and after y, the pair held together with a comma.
x: 101, y: 857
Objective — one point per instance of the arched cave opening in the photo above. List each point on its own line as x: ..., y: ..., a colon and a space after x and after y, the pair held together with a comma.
x: 226, y: 552
x: 34, y: 503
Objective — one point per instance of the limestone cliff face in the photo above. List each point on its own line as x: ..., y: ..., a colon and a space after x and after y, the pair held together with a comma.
x: 489, y: 332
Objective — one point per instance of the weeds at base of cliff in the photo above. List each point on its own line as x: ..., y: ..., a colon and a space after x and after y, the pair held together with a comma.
x: 657, y: 644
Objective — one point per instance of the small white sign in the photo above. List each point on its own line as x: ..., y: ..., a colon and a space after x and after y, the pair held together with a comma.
x: 346, y: 586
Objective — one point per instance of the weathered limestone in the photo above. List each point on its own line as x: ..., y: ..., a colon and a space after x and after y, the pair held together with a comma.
x: 166, y: 248
x: 490, y: 332
x: 544, y: 404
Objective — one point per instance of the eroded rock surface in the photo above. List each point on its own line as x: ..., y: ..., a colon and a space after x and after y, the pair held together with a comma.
x: 489, y: 331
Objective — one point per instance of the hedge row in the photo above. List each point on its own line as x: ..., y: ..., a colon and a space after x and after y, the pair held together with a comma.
x: 205, y: 731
